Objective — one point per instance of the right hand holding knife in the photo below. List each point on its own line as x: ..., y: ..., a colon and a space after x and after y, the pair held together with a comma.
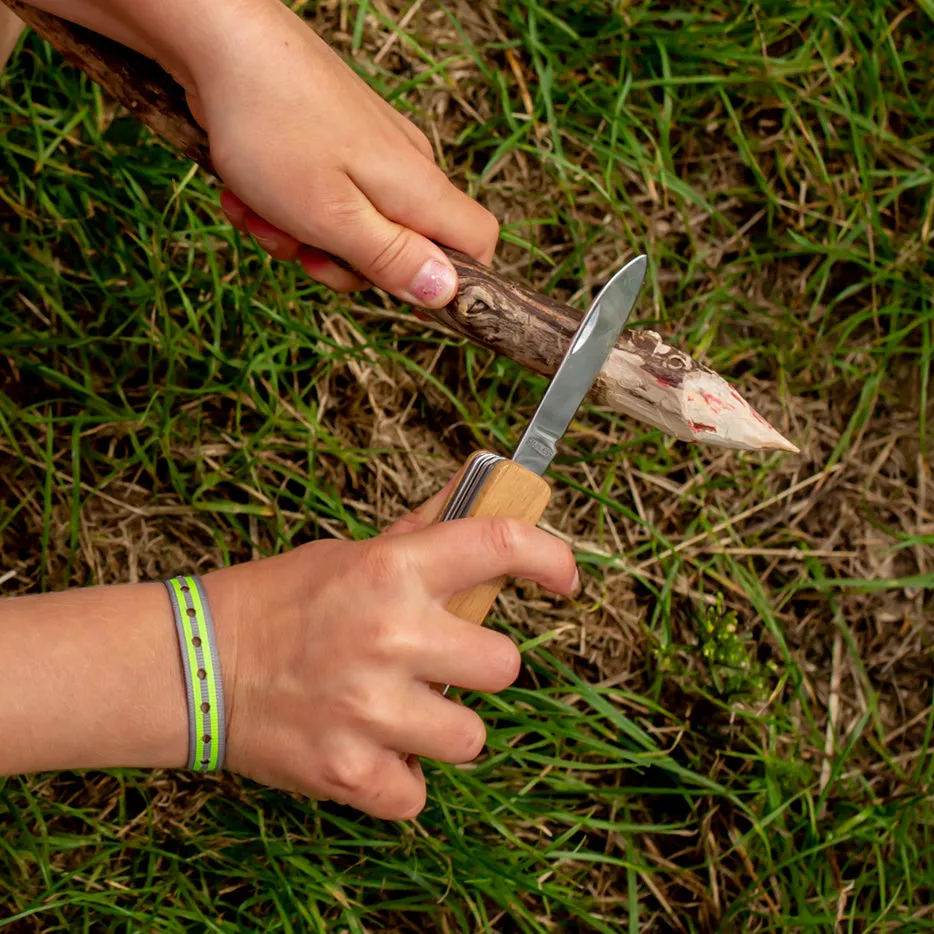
x: 329, y: 652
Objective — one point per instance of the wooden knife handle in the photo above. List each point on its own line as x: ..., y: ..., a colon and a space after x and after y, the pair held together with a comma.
x: 511, y: 491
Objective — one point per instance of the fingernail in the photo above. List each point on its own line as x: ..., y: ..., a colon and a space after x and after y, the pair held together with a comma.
x: 434, y: 285
x: 576, y: 586
x: 232, y: 208
x: 269, y: 244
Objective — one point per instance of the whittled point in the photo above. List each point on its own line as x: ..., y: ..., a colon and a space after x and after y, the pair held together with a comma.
x: 715, y: 413
x: 661, y: 385
x: 745, y: 437
x: 643, y: 377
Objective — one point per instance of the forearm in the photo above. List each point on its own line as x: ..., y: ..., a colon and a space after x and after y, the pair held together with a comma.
x: 91, y: 678
x: 182, y: 35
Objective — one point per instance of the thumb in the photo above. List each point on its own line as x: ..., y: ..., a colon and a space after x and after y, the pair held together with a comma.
x: 391, y: 256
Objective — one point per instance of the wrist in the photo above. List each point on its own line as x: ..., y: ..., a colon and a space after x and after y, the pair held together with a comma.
x: 248, y: 602
x: 198, y: 41
x: 191, y: 39
x: 226, y: 606
x: 204, y: 43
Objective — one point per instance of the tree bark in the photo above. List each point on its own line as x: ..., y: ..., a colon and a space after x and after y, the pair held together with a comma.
x: 643, y: 377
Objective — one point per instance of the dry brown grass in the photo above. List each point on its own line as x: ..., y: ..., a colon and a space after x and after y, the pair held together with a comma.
x: 759, y: 226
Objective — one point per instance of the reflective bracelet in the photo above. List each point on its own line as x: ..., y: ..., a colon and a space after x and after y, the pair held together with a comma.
x: 202, y: 669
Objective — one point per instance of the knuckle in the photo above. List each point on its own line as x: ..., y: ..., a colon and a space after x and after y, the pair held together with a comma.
x: 362, y: 703
x: 424, y: 144
x: 223, y: 152
x: 505, y: 662
x: 328, y: 214
x: 408, y: 523
x: 412, y: 805
x: 470, y: 738
x: 349, y: 777
x: 557, y: 560
x: 503, y: 536
x: 390, y: 252
x: 383, y: 565
x: 490, y: 227
x: 387, y: 643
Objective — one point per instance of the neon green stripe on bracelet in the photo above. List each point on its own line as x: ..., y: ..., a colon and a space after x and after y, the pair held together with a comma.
x: 196, y: 683
x: 210, y: 678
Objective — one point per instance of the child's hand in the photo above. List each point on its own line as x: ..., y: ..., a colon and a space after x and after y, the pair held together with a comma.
x: 328, y: 653
x: 326, y: 166
x: 318, y: 162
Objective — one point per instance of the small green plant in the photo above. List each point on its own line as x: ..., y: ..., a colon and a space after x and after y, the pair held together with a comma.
x: 730, y: 655
x: 722, y: 662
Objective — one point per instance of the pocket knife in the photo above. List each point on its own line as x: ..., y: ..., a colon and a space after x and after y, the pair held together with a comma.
x: 491, y: 485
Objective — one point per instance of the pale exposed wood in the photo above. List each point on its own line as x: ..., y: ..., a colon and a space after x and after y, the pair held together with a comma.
x: 644, y: 377
x: 510, y: 491
x: 11, y: 28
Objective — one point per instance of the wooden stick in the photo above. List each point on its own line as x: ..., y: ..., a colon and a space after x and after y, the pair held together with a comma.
x: 644, y: 377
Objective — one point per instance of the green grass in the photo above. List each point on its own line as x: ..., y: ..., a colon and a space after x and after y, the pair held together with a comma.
x: 663, y: 762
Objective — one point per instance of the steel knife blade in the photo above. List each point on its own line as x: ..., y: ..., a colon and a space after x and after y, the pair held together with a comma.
x: 583, y: 360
